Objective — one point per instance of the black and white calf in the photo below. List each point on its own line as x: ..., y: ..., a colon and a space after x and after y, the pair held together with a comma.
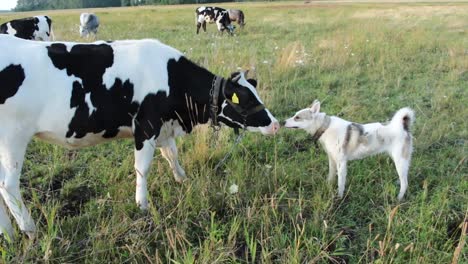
x: 79, y: 95
x: 208, y: 14
x: 33, y: 28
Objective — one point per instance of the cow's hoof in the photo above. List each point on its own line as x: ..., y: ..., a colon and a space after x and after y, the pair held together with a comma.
x: 143, y: 206
x: 31, y: 235
x: 181, y: 179
x: 7, y: 236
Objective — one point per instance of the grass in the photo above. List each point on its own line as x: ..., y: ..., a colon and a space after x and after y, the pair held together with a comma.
x: 362, y: 60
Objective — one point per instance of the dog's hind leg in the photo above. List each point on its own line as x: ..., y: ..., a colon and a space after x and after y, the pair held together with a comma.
x: 342, y: 170
x: 331, y: 169
x: 402, y: 167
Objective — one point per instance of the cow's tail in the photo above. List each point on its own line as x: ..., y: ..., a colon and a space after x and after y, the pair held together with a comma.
x: 52, y: 35
x: 403, y: 119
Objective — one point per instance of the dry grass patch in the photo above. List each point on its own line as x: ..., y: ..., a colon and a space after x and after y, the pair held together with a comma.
x: 422, y: 12
x: 291, y: 55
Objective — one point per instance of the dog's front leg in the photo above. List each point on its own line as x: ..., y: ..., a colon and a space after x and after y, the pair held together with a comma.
x: 341, y: 176
x: 331, y: 169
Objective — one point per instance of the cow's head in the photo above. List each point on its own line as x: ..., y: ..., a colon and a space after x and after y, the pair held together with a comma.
x: 83, y: 31
x: 243, y: 108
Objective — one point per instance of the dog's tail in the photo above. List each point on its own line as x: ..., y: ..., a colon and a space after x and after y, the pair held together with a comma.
x: 403, y: 118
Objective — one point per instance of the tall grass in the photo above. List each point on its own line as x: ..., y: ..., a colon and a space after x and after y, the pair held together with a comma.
x: 363, y: 61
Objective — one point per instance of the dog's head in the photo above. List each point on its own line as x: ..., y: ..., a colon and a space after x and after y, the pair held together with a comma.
x: 310, y: 119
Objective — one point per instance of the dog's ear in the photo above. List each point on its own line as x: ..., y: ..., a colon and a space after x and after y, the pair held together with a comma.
x: 315, y: 107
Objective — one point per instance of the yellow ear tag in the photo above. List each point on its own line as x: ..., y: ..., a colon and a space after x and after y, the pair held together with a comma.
x: 235, y: 99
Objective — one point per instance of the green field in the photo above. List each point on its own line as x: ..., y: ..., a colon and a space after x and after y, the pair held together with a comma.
x: 364, y: 61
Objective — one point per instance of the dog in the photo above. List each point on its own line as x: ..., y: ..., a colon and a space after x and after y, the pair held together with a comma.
x: 344, y: 140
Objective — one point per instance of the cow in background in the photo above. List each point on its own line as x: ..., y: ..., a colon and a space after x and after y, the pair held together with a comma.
x: 32, y: 28
x: 89, y: 23
x: 211, y: 15
x: 237, y: 15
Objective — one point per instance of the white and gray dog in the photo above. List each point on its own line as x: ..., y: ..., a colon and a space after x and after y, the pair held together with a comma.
x: 344, y: 140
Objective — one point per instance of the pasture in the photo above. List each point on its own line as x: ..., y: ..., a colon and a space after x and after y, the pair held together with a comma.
x: 363, y: 61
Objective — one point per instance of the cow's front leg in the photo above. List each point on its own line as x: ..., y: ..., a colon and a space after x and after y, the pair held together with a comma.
x: 143, y: 158
x: 5, y: 225
x: 169, y: 152
x: 12, y: 151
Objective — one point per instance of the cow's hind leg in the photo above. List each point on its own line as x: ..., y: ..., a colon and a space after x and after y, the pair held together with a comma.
x: 12, y: 153
x: 143, y: 158
x: 169, y: 152
x: 5, y: 225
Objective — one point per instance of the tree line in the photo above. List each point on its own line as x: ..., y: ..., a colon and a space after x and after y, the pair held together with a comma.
x: 29, y: 5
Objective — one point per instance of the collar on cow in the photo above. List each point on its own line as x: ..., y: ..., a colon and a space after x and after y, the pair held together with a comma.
x: 218, y: 84
x: 322, y: 129
x: 217, y: 88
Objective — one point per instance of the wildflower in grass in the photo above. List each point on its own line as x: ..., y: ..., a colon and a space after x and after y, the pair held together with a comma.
x: 265, y: 62
x: 233, y: 189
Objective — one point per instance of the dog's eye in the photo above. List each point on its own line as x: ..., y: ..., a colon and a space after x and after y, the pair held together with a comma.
x: 296, y: 118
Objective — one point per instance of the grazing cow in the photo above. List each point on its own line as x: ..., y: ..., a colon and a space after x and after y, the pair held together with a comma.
x: 237, y: 15
x: 79, y: 95
x: 211, y: 15
x: 33, y: 28
x: 89, y: 23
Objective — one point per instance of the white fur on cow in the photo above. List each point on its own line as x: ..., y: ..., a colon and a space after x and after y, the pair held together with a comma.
x: 33, y: 28
x: 79, y: 95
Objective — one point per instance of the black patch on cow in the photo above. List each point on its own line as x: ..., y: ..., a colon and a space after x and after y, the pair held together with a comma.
x: 11, y: 78
x: 24, y: 27
x: 113, y: 105
x: 49, y: 22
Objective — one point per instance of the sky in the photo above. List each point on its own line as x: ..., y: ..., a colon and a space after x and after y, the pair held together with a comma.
x: 7, y: 4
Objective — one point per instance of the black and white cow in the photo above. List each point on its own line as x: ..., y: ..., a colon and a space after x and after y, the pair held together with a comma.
x: 79, y: 95
x: 208, y: 14
x: 34, y: 28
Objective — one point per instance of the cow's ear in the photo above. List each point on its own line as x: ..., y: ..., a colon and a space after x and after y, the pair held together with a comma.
x: 253, y: 82
x: 234, y: 75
